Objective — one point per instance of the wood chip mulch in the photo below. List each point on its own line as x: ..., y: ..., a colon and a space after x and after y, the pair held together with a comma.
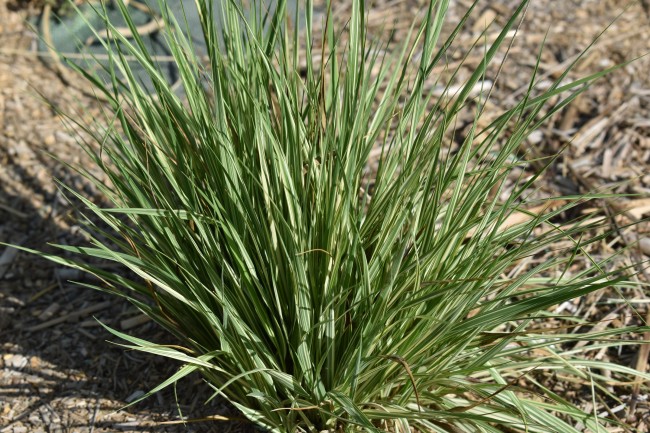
x: 58, y: 373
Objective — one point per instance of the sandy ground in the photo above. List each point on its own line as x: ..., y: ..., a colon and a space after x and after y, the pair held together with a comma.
x: 58, y: 373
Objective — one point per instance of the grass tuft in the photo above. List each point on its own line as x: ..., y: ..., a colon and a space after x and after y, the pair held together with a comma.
x: 316, y: 294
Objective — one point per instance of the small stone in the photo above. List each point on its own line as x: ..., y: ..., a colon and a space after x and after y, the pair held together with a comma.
x: 66, y: 274
x: 644, y: 244
x: 136, y: 395
x: 484, y: 21
x: 15, y: 301
x: 16, y: 361
x: 65, y: 138
x: 22, y: 150
x: 43, y: 176
x: 49, y: 311
x: 6, y: 259
x: 536, y: 136
x: 35, y: 362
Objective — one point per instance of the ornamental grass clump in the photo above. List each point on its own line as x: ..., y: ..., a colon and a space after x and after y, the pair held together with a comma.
x: 312, y: 292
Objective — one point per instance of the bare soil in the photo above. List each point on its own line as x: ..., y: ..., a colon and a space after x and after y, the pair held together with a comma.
x: 57, y: 371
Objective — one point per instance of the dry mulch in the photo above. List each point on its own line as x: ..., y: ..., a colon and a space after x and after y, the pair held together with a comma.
x: 58, y: 374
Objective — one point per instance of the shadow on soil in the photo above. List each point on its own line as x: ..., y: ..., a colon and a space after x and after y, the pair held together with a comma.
x: 54, y: 354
